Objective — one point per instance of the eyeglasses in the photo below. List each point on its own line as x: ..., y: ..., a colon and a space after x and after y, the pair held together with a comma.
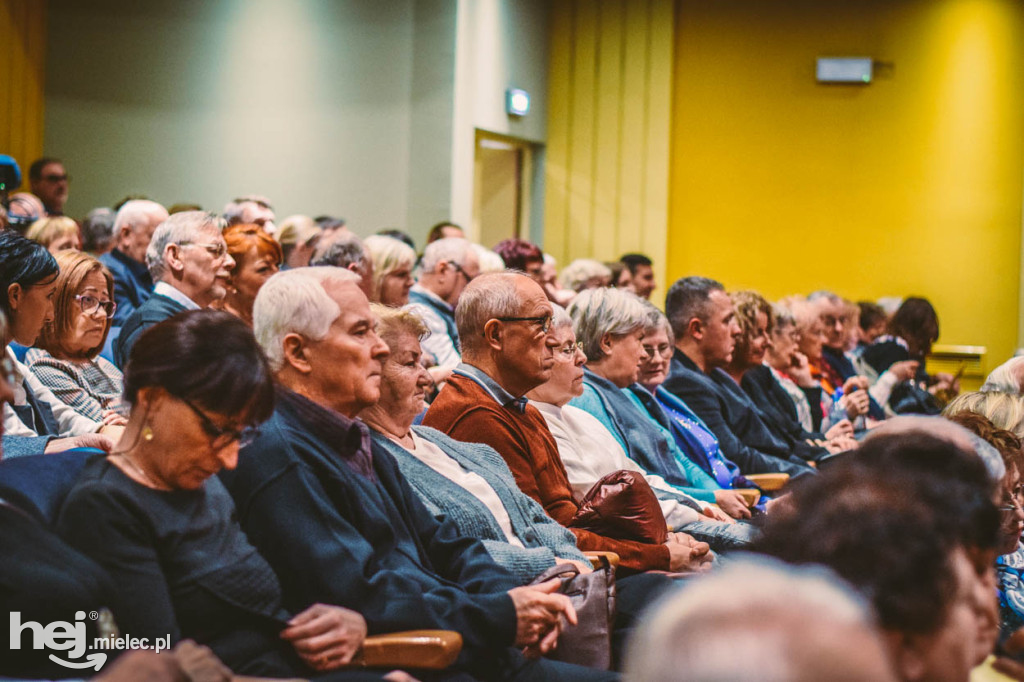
x: 661, y: 349
x: 222, y: 435
x: 569, y: 350
x: 458, y: 268
x: 57, y: 178
x: 544, y: 321
x: 90, y: 305
x: 215, y: 249
x: 10, y: 372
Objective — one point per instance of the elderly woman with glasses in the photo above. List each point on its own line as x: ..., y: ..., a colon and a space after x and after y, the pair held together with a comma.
x: 154, y: 515
x: 66, y: 357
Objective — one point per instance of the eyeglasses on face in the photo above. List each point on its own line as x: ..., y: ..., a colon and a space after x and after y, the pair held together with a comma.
x: 543, y: 320
x: 458, y: 268
x: 222, y: 435
x: 215, y: 249
x: 661, y: 349
x: 90, y: 305
x: 54, y: 177
x: 569, y: 350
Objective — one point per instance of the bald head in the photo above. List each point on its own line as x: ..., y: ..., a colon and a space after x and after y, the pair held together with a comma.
x: 134, y: 226
x: 910, y: 426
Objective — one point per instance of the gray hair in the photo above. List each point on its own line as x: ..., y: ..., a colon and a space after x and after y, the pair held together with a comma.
x: 295, y: 302
x: 1007, y: 377
x: 596, y: 312
x: 560, y: 317
x: 688, y: 298
x: 449, y: 249
x: 656, y: 321
x: 235, y: 210
x: 177, y: 229
x: 946, y: 430
x: 823, y: 295
x: 344, y: 251
x: 489, y: 261
x: 136, y: 211
x: 488, y: 296
x: 576, y: 273
x: 704, y: 632
x: 783, y: 315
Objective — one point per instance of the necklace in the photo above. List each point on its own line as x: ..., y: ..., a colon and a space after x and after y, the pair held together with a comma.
x: 137, y: 469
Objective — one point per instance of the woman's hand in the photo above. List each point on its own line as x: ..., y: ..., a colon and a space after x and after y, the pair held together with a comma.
x: 904, y: 370
x: 715, y: 514
x: 686, y: 554
x: 86, y: 440
x: 114, y: 418
x: 843, y: 428
x: 326, y: 637
x: 539, y: 612
x: 842, y: 444
x: 732, y: 503
x: 856, y: 382
x: 855, y: 403
x: 199, y: 663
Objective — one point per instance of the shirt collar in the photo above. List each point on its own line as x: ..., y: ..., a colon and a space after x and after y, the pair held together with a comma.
x: 427, y: 293
x: 493, y: 388
x: 167, y: 290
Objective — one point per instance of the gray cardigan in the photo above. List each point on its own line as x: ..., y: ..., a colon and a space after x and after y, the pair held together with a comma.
x: 543, y: 537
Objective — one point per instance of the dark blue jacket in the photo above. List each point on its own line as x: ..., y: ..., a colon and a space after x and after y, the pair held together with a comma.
x: 132, y: 284
x: 742, y: 436
x: 366, y: 542
x: 157, y: 309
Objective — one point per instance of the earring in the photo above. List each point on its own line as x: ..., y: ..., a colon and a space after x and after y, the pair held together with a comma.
x: 147, y: 433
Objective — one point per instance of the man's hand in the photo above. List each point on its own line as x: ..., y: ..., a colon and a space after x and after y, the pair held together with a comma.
x: 199, y: 663
x: 326, y: 637
x: 686, y: 554
x: 732, y: 503
x: 539, y: 611
x: 86, y: 440
x: 843, y: 428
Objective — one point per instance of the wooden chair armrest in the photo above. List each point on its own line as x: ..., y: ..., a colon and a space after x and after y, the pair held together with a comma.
x: 595, y: 558
x: 750, y: 495
x: 423, y: 649
x: 768, y: 482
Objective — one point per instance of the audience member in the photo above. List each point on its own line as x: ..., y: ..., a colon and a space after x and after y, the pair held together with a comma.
x: 809, y: 626
x: 342, y: 249
x: 489, y: 260
x: 23, y: 209
x: 445, y: 230
x: 447, y: 266
x: 871, y: 323
x: 98, y: 231
x: 355, y: 533
x: 198, y: 385
x: 585, y: 273
x: 251, y: 210
x: 189, y: 261
x: 401, y: 236
x: 134, y: 226
x: 36, y: 421
x: 56, y: 233
x: 393, y: 262
x: 49, y: 181
x: 790, y: 368
x: 704, y: 325
x: 622, y: 278
x: 1005, y: 410
x: 257, y: 257
x: 519, y: 254
x: 298, y: 236
x: 641, y: 270
x: 66, y: 357
x: 508, y: 349
x: 1007, y: 377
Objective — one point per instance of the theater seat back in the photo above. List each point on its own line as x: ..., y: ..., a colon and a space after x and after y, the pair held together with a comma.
x: 38, y: 484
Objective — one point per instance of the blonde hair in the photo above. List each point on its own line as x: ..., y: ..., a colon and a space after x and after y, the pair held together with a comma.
x: 1005, y: 410
x: 48, y: 230
x: 387, y: 255
x: 394, y: 321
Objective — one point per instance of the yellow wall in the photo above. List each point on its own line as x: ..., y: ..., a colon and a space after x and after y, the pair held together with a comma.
x: 22, y: 71
x: 909, y: 185
x: 606, y: 177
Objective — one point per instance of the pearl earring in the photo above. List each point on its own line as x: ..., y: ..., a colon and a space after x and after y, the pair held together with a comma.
x: 147, y: 433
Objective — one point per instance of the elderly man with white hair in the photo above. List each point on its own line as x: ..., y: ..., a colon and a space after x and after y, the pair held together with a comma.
x: 760, y: 619
x: 337, y: 521
x: 251, y: 209
x: 448, y: 265
x: 1007, y: 377
x: 133, y: 229
x: 189, y: 261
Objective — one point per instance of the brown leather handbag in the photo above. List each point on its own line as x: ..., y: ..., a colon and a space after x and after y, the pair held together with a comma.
x: 622, y: 505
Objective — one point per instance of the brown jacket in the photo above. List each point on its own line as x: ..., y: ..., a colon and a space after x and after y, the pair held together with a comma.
x: 467, y: 412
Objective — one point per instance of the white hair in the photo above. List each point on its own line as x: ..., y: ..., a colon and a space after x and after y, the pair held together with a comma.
x: 295, y: 302
x: 946, y: 430
x: 449, y: 249
x: 576, y: 273
x: 177, y: 229
x: 735, y: 624
x: 135, y: 211
x: 489, y: 260
x: 596, y: 312
x: 1007, y: 377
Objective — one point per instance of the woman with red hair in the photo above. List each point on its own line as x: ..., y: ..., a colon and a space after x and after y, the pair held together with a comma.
x: 257, y: 258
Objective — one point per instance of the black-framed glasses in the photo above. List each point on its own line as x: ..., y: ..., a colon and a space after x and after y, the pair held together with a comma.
x: 662, y: 349
x: 54, y: 177
x: 458, y: 268
x: 569, y: 350
x: 215, y: 249
x: 91, y: 304
x: 222, y: 435
x: 543, y: 320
